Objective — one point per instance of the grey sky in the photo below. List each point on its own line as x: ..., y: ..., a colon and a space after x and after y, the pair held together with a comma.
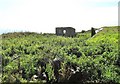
x: 45, y: 15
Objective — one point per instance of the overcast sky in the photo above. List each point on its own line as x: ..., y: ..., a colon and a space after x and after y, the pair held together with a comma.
x: 45, y: 15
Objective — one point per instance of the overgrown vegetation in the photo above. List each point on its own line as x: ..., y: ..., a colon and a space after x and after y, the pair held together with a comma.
x: 47, y: 58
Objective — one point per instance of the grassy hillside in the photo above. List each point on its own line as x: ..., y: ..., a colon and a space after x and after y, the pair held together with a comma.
x: 47, y: 58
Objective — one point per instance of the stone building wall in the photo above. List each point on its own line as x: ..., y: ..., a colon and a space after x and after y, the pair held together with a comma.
x: 65, y: 31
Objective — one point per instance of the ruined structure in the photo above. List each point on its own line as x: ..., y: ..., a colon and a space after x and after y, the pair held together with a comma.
x: 95, y: 31
x: 65, y: 31
x: 92, y: 31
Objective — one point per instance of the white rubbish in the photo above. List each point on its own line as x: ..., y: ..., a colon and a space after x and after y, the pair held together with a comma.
x: 44, y: 75
x: 78, y: 69
x: 35, y: 76
x: 73, y: 71
x: 98, y: 30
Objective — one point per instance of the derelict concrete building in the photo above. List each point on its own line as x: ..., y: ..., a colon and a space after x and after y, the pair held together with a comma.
x: 65, y: 31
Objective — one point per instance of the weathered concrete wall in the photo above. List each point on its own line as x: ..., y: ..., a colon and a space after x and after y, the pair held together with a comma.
x: 65, y: 31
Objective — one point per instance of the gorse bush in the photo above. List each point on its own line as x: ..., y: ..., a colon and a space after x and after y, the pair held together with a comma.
x: 47, y: 58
